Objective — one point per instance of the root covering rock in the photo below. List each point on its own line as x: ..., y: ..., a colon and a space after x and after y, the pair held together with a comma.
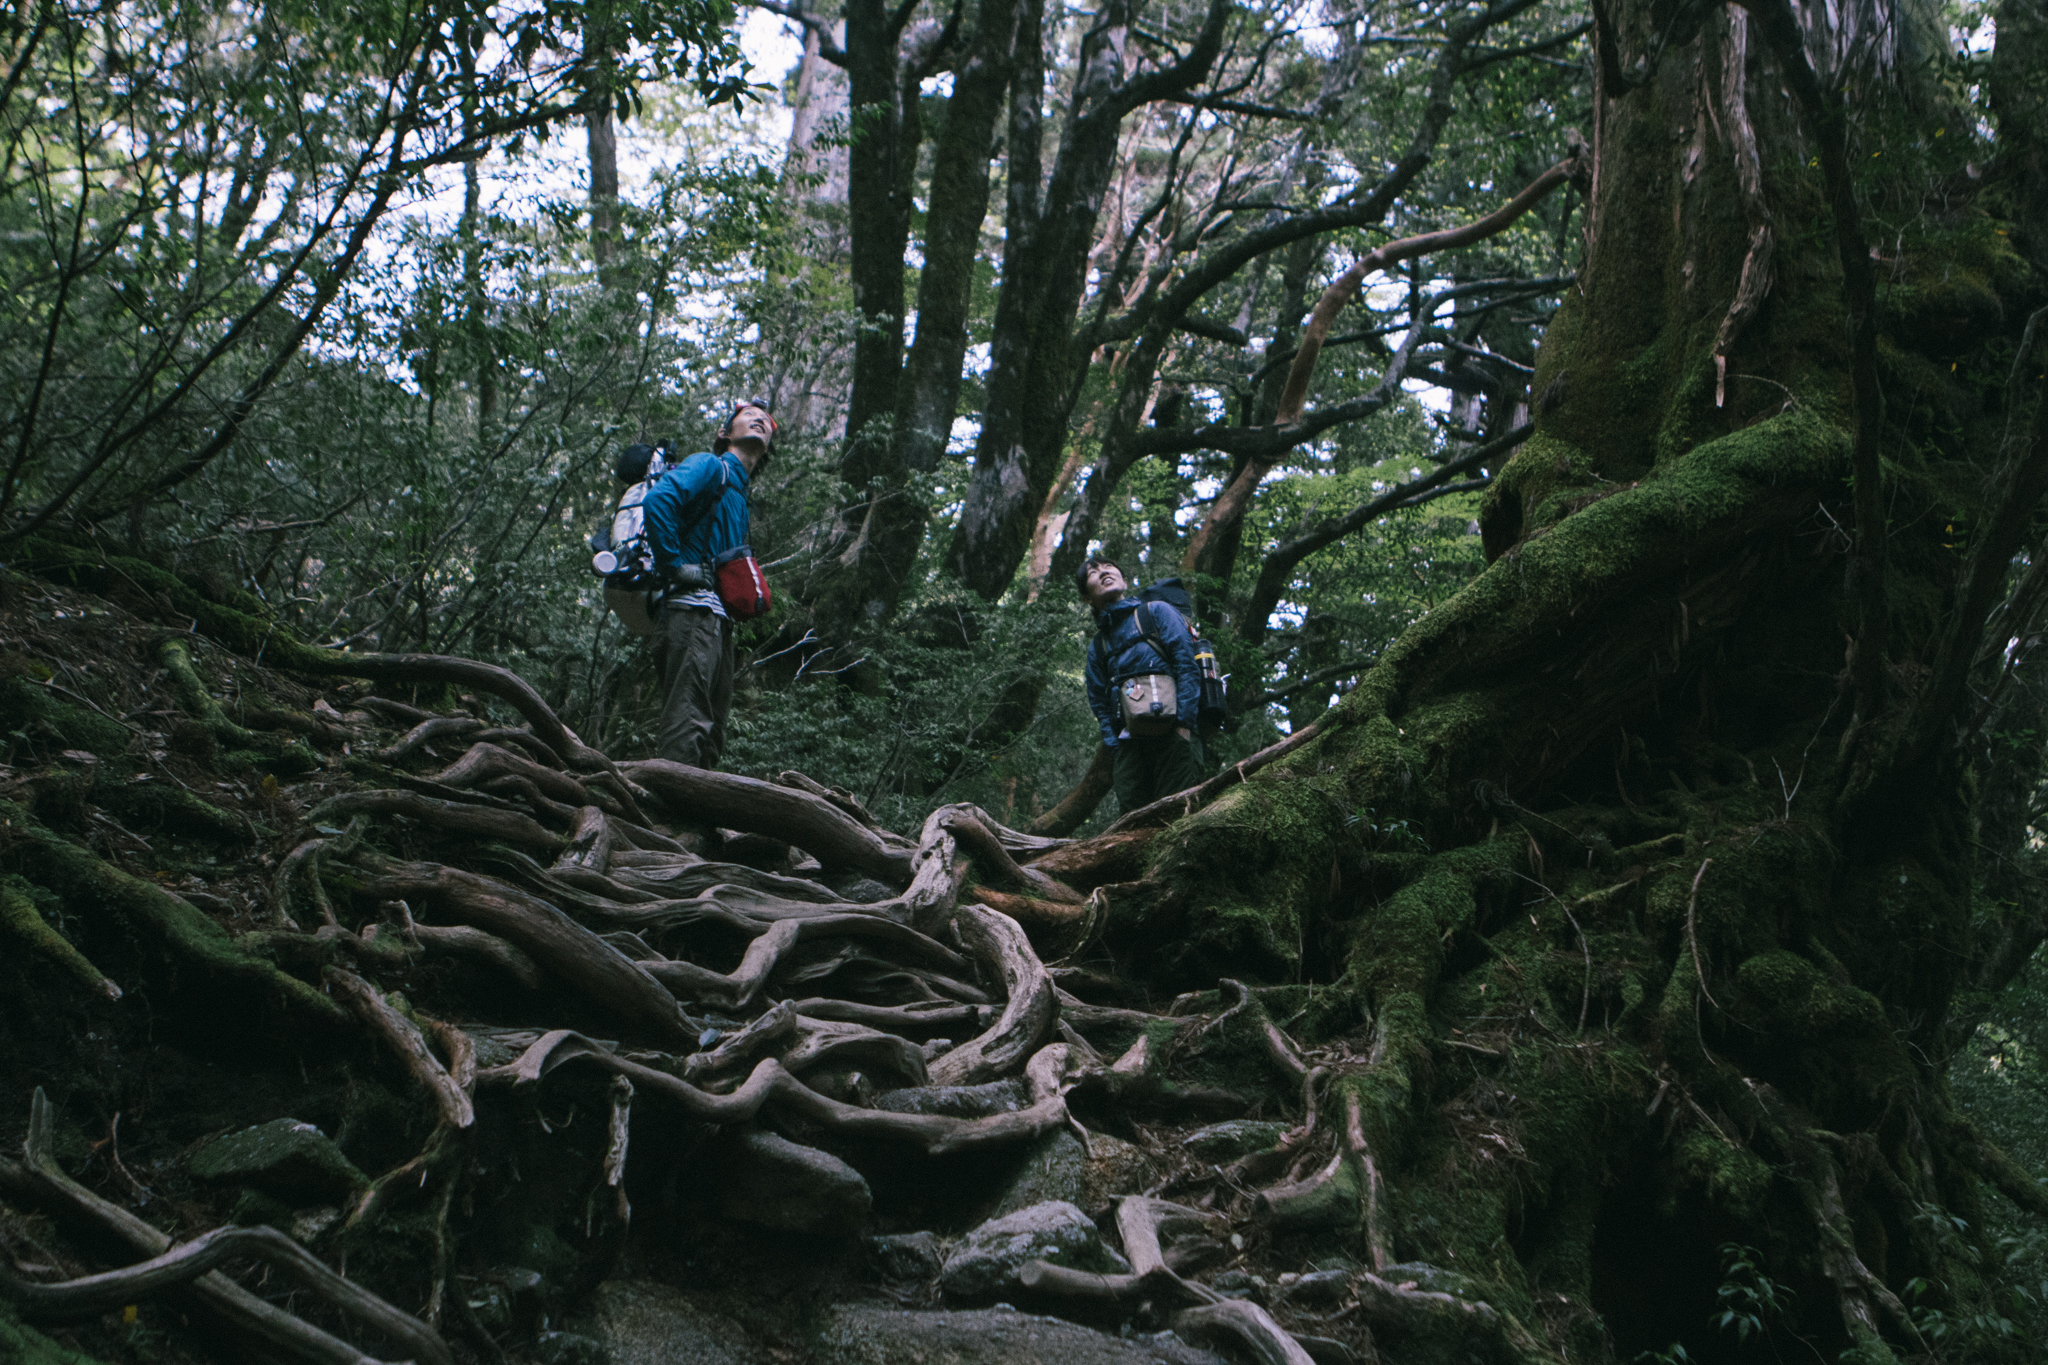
x: 996, y: 1336
x: 986, y: 1261
x: 772, y: 1182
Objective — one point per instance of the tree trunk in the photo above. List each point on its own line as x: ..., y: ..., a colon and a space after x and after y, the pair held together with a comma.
x: 1657, y: 945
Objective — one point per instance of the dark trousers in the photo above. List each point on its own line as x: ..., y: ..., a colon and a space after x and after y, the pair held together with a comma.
x: 696, y: 658
x: 1151, y: 766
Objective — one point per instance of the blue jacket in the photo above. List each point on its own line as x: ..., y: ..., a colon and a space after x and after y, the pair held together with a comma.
x: 1121, y: 651
x: 724, y: 526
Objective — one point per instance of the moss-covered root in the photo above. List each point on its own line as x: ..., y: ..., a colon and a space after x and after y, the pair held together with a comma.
x: 176, y: 929
x: 20, y: 920
x: 23, y: 1345
x: 148, y: 806
x: 288, y: 755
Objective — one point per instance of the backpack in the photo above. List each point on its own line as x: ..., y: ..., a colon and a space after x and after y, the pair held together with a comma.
x: 624, y: 557
x: 1214, y: 706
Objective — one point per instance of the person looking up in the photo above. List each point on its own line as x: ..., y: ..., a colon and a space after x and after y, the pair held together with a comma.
x: 697, y: 512
x: 1143, y: 686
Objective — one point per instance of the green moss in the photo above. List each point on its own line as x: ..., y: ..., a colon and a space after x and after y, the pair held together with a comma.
x: 33, y: 711
x: 1798, y: 996
x: 23, y: 921
x: 181, y: 937
x: 23, y: 1345
x: 1733, y: 1179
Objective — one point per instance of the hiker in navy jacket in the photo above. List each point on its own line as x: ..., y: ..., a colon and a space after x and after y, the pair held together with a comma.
x: 697, y: 512
x: 1147, y: 765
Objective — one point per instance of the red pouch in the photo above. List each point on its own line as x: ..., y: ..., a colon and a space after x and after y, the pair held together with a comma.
x: 741, y: 585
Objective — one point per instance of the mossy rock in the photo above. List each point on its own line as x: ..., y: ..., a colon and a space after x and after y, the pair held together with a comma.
x: 291, y: 1161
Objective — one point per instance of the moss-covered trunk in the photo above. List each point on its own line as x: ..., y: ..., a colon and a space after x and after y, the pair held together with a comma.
x: 1657, y: 923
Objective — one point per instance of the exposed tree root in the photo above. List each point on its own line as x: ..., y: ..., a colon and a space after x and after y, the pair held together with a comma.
x: 772, y: 1084
x: 404, y: 1037
x: 1028, y: 1013
x: 811, y: 822
x: 176, y: 657
x: 19, y: 918
x: 563, y: 947
x: 455, y: 817
x: 190, y: 940
x: 38, y: 1181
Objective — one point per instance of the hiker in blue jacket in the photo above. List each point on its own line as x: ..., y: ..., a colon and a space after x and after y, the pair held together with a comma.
x: 697, y: 512
x: 1143, y: 686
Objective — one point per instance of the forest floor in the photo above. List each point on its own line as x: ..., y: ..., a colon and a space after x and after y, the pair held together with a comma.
x: 569, y: 1060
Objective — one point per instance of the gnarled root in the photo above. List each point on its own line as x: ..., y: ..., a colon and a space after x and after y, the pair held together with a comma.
x: 1029, y: 1011
x: 813, y: 823
x: 772, y: 1083
x: 38, y: 1180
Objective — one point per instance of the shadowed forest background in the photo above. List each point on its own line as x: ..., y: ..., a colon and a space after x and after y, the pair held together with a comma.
x: 1660, y: 564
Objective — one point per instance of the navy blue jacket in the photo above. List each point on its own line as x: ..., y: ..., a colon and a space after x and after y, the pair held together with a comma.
x: 723, y: 527
x: 1121, y: 651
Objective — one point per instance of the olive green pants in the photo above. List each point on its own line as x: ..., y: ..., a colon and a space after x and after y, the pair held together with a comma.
x: 1151, y: 766
x: 695, y: 652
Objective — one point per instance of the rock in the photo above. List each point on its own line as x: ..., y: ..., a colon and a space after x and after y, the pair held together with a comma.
x: 1320, y: 1286
x: 284, y: 1158
x: 1239, y: 1284
x: 569, y: 1348
x: 643, y: 1322
x: 956, y: 1101
x: 907, y: 1256
x: 986, y: 1260
x: 1326, y: 1350
x: 1432, y: 1279
x: 858, y: 889
x: 1223, y: 1142
x: 880, y: 1336
x: 1114, y: 1167
x: 772, y: 1182
x: 1053, y: 1169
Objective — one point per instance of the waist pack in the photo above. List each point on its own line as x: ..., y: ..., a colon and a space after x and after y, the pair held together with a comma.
x: 741, y: 586
x: 1150, y: 705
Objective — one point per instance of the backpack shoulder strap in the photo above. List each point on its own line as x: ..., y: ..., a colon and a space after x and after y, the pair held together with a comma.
x: 1148, y: 626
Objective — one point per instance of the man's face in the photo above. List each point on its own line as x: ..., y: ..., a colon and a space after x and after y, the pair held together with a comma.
x: 1105, y: 584
x: 750, y: 429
